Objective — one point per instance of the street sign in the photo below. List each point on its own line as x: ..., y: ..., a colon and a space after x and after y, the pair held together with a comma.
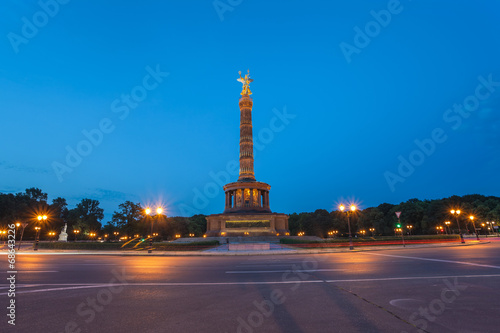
x: 398, y: 214
x: 495, y: 227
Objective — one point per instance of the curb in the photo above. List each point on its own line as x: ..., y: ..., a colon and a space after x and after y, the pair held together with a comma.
x: 242, y: 253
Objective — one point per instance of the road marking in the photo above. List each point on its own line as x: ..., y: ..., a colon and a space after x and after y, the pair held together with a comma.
x: 260, y: 265
x: 430, y: 259
x: 204, y: 284
x: 23, y: 272
x: 285, y: 271
x: 100, y: 264
x: 415, y: 278
x: 166, y: 284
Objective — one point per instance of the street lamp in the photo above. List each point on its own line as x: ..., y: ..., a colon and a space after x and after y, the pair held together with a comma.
x: 76, y: 231
x: 474, y: 226
x: 456, y: 213
x: 410, y: 227
x: 4, y: 234
x: 37, y: 228
x: 372, y: 230
x: 52, y: 235
x: 159, y: 210
x: 447, y: 224
x: 116, y: 233
x: 353, y: 209
x: 24, y: 225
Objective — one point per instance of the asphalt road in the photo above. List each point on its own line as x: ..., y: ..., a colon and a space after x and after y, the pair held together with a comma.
x: 448, y: 289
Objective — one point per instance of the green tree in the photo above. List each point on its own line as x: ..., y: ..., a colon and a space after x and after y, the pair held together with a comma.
x: 86, y: 216
x: 128, y: 218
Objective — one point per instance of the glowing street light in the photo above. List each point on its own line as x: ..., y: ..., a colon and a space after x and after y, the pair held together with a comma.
x: 474, y: 226
x: 52, y: 235
x: 457, y: 213
x: 76, y: 231
x: 40, y: 218
x: 410, y: 227
x: 24, y: 225
x: 447, y: 223
x: 159, y: 210
x: 353, y: 209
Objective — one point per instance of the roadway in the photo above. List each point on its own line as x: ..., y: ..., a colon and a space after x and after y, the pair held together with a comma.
x: 446, y: 289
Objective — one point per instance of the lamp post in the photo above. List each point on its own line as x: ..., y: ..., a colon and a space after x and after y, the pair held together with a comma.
x: 456, y: 213
x: 447, y: 224
x: 76, y: 231
x: 474, y: 226
x: 409, y: 228
x: 37, y: 228
x: 116, y: 233
x: 159, y: 210
x: 353, y: 209
x: 488, y: 226
x: 24, y: 225
x: 372, y: 230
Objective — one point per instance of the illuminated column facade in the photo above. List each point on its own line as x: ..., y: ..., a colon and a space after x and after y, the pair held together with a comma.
x: 242, y: 196
x: 246, y: 139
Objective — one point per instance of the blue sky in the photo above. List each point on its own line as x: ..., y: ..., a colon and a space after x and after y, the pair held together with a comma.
x: 331, y: 125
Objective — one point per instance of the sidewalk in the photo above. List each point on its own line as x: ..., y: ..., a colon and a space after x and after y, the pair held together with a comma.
x: 222, y: 250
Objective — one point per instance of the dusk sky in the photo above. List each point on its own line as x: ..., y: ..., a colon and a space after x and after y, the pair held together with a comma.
x: 374, y: 101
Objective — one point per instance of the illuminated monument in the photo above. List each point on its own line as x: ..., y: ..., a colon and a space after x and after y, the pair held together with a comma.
x: 247, y: 211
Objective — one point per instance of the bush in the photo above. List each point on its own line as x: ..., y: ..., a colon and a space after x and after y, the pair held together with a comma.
x: 368, y: 239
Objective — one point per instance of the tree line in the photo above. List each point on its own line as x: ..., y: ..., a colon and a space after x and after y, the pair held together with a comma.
x: 86, y: 217
x: 417, y: 217
x: 424, y: 217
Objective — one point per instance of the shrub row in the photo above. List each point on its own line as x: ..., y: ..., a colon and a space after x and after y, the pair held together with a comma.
x: 367, y: 239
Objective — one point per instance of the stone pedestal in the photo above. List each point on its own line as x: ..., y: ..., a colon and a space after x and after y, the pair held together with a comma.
x: 247, y: 224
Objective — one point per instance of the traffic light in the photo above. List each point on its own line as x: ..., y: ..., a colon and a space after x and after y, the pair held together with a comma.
x: 398, y: 225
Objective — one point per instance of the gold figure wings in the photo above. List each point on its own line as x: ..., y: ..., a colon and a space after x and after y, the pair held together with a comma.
x: 246, y: 83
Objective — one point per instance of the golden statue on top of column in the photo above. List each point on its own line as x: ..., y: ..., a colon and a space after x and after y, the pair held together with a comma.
x: 246, y: 83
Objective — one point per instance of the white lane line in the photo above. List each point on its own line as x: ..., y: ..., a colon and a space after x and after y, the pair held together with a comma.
x: 167, y: 284
x: 56, y: 289
x: 431, y: 259
x: 24, y: 272
x: 285, y: 270
x: 415, y: 278
x: 204, y: 284
x: 265, y: 265
x: 102, y: 264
